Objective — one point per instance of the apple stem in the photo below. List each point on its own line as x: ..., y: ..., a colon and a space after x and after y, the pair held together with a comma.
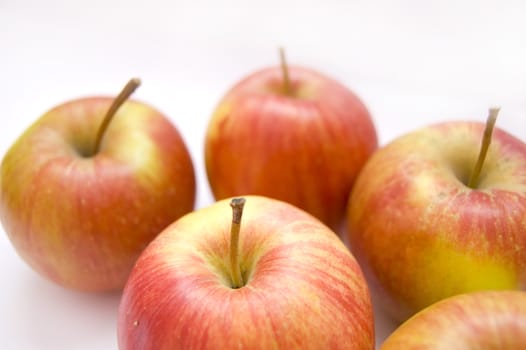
x: 486, y: 140
x: 126, y: 92
x: 287, y: 90
x: 237, y: 205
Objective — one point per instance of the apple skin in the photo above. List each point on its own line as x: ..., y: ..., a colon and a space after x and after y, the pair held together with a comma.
x: 304, y: 289
x: 489, y: 320
x: 82, y: 220
x: 305, y: 148
x: 421, y: 235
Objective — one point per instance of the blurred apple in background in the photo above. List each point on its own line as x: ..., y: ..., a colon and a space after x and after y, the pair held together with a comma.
x: 90, y: 184
x: 489, y: 320
x: 429, y: 219
x: 292, y: 134
x: 277, y: 279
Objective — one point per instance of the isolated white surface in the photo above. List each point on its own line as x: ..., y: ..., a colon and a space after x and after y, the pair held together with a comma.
x: 412, y: 62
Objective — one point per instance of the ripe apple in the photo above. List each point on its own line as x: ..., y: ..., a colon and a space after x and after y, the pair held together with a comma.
x: 81, y: 197
x: 426, y: 223
x: 293, y: 134
x: 478, y: 320
x: 278, y: 280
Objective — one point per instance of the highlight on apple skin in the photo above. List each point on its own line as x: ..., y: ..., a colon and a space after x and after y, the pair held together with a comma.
x: 80, y: 216
x: 301, y: 287
x: 302, y: 140
x: 421, y: 234
x: 490, y: 320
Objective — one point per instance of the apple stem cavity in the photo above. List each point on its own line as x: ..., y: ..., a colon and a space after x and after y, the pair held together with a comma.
x: 287, y: 89
x: 486, y: 140
x: 126, y: 92
x: 237, y: 205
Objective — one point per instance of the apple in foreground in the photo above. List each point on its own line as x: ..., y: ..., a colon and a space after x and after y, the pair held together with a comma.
x: 429, y: 219
x: 293, y: 134
x: 279, y: 279
x: 490, y: 320
x: 81, y: 197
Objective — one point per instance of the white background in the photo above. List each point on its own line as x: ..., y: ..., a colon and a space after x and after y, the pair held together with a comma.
x: 412, y: 62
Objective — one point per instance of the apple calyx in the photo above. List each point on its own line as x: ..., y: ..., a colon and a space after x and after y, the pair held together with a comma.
x: 125, y: 93
x: 486, y: 140
x: 237, y: 205
x: 286, y: 88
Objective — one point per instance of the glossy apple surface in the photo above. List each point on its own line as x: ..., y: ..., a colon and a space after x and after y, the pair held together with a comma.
x: 421, y: 234
x: 486, y: 320
x: 82, y: 219
x: 305, y: 146
x: 303, y: 288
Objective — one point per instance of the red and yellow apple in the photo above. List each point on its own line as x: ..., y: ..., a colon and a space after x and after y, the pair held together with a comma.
x: 489, y: 320
x: 279, y: 279
x: 292, y: 134
x: 422, y: 232
x: 80, y: 201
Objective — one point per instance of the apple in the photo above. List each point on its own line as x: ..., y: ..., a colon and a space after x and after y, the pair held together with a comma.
x: 476, y: 320
x: 279, y: 279
x: 81, y: 197
x: 292, y: 134
x: 429, y: 219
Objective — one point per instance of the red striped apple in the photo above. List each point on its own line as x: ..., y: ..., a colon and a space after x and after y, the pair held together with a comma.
x: 81, y: 197
x: 429, y: 219
x: 278, y: 279
x: 293, y: 134
x: 489, y: 320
